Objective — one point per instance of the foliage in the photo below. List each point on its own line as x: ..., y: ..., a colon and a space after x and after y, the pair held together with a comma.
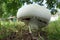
x: 53, y: 30
x: 10, y: 7
x: 58, y: 5
x: 7, y: 27
x: 51, y: 3
x: 53, y: 11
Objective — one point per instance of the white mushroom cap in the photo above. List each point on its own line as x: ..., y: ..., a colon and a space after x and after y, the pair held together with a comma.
x: 34, y: 10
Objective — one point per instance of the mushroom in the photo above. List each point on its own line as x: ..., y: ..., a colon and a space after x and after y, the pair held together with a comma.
x: 34, y: 15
